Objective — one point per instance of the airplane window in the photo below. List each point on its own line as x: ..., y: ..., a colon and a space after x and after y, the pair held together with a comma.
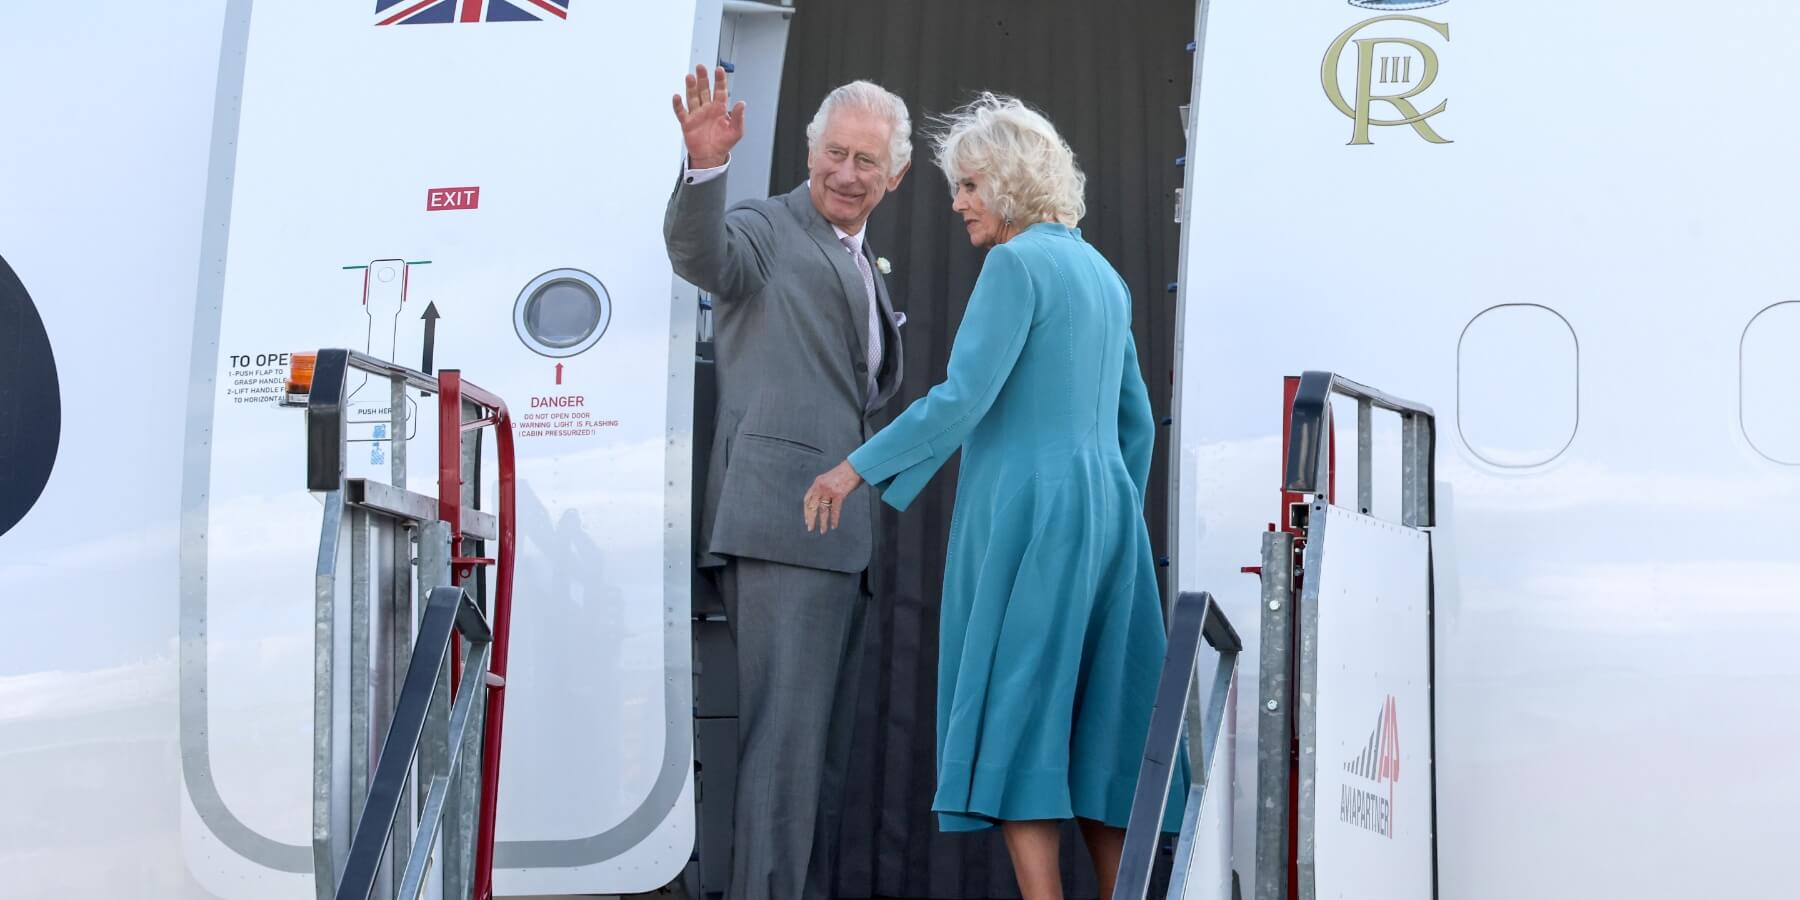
x: 562, y: 312
x: 1518, y: 385
x: 1769, y: 380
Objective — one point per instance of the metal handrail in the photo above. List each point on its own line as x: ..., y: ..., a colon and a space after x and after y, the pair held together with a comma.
x: 1195, y: 617
x: 449, y: 611
x: 327, y: 439
x: 453, y: 391
x: 1308, y: 464
x: 326, y: 432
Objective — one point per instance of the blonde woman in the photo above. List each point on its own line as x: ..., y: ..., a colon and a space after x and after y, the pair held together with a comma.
x: 1052, y: 632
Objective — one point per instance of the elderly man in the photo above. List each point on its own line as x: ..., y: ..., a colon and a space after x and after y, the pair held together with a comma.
x: 808, y: 348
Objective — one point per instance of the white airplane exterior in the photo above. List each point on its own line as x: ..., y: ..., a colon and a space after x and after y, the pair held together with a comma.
x: 1570, y: 249
x: 1568, y: 230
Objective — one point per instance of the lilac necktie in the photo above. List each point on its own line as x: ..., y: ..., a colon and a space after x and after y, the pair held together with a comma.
x: 874, y: 342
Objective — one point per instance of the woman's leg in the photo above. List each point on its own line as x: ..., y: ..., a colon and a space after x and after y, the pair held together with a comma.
x: 1033, y: 846
x: 1105, y: 843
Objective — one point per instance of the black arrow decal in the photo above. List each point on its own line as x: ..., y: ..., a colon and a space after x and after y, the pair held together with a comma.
x: 431, y: 320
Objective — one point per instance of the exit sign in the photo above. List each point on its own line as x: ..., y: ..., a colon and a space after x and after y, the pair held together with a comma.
x: 440, y: 199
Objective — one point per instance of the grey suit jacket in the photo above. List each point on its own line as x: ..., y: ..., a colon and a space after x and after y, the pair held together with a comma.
x: 790, y: 324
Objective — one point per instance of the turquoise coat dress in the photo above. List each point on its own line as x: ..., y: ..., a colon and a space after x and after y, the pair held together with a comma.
x: 1051, y: 636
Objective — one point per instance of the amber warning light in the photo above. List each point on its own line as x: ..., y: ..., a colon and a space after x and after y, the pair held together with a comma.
x: 300, y: 377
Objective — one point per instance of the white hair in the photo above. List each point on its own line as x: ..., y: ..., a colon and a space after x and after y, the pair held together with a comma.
x: 1029, y: 172
x: 872, y: 97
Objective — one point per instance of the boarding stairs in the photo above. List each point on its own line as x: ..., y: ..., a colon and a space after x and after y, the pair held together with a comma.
x: 410, y: 637
x: 1345, y: 789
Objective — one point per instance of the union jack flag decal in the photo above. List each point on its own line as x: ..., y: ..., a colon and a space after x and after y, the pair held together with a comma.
x: 442, y: 12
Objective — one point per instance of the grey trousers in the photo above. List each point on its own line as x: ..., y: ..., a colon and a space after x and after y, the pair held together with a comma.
x: 798, y: 633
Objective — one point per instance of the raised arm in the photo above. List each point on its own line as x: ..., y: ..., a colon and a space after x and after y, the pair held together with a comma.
x: 725, y: 254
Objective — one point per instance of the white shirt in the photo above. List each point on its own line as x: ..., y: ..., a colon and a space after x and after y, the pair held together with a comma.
x: 854, y: 239
x: 702, y: 176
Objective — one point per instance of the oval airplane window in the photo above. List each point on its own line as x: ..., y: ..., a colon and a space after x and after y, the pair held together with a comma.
x: 1518, y: 385
x: 30, y: 402
x: 562, y: 312
x: 1769, y: 383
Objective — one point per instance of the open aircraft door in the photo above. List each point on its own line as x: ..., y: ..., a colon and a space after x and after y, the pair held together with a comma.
x: 438, y: 183
x: 468, y: 180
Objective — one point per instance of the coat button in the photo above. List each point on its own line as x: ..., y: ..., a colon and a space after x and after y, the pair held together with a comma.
x: 862, y: 369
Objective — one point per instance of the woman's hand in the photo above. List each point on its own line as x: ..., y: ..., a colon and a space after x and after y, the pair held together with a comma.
x: 824, y: 503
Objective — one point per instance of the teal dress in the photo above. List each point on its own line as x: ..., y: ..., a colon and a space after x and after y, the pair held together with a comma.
x: 1052, y: 638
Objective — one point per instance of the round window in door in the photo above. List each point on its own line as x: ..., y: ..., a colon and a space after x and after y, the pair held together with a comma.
x: 562, y: 312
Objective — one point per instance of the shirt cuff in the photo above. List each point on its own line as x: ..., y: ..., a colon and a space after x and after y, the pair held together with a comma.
x: 702, y: 176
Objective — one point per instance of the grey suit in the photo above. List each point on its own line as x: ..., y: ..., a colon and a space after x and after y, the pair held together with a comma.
x: 790, y: 321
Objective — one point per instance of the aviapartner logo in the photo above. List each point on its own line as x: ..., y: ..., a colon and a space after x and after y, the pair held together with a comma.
x: 1378, y: 763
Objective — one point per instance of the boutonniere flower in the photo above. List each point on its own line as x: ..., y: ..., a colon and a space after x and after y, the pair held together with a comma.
x: 882, y: 264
